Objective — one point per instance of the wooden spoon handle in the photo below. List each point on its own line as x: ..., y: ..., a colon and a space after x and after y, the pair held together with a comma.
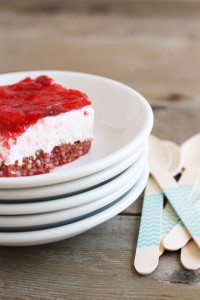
x: 190, y: 256
x: 147, y: 251
x: 179, y: 238
x: 181, y: 204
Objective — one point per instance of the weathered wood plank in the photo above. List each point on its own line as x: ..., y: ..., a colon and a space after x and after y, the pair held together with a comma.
x: 153, y: 46
x: 176, y: 124
x: 95, y: 265
x: 180, y: 7
x: 149, y: 49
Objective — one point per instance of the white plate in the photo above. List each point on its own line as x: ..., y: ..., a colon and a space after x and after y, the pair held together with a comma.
x: 56, y: 218
x: 75, y: 186
x: 45, y: 236
x: 123, y: 120
x: 102, y: 191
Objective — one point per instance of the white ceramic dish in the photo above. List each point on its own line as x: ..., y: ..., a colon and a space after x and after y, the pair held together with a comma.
x: 45, y: 236
x: 123, y: 120
x: 102, y: 191
x: 75, y: 186
x: 56, y: 218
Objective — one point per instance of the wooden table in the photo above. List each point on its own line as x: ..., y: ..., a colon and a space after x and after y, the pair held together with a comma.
x: 153, y: 46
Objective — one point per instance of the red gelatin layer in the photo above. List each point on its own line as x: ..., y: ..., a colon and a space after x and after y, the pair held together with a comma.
x: 24, y: 103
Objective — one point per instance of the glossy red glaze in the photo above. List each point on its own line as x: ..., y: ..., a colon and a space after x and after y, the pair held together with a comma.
x: 22, y: 104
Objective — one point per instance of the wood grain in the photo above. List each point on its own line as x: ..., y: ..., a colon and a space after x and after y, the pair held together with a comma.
x: 94, y: 265
x: 153, y: 46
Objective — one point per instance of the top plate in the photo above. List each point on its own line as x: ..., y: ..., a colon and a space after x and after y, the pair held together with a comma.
x: 123, y: 120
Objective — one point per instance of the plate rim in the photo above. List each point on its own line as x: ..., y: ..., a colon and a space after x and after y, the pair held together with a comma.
x: 28, y: 208
x: 78, y: 172
x: 79, y: 184
x: 68, y: 215
x: 56, y: 233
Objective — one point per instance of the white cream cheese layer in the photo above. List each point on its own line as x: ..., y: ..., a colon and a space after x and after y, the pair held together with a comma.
x: 66, y: 128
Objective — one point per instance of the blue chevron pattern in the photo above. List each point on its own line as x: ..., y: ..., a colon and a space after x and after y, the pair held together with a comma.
x: 150, y: 226
x: 170, y: 217
x: 178, y: 196
x: 196, y: 199
x: 195, y: 202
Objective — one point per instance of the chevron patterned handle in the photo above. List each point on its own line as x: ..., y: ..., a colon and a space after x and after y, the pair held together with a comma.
x: 179, y: 235
x: 147, y: 251
x: 176, y: 195
x: 171, y: 238
x: 169, y: 220
x: 188, y: 181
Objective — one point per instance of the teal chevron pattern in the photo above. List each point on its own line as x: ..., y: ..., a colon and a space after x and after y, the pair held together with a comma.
x: 195, y: 202
x: 170, y: 217
x: 150, y: 225
x: 179, y: 198
x: 197, y: 205
x: 196, y: 199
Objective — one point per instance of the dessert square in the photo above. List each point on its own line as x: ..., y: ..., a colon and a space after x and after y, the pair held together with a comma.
x: 42, y: 125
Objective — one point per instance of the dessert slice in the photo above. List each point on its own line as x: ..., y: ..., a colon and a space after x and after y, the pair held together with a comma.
x: 42, y: 125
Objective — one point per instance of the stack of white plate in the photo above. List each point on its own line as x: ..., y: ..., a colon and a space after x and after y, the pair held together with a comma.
x: 80, y: 195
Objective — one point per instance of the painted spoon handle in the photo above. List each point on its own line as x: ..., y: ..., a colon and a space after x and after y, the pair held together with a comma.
x: 176, y: 196
x: 179, y: 235
x: 147, y: 251
x: 188, y: 182
x: 169, y: 220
